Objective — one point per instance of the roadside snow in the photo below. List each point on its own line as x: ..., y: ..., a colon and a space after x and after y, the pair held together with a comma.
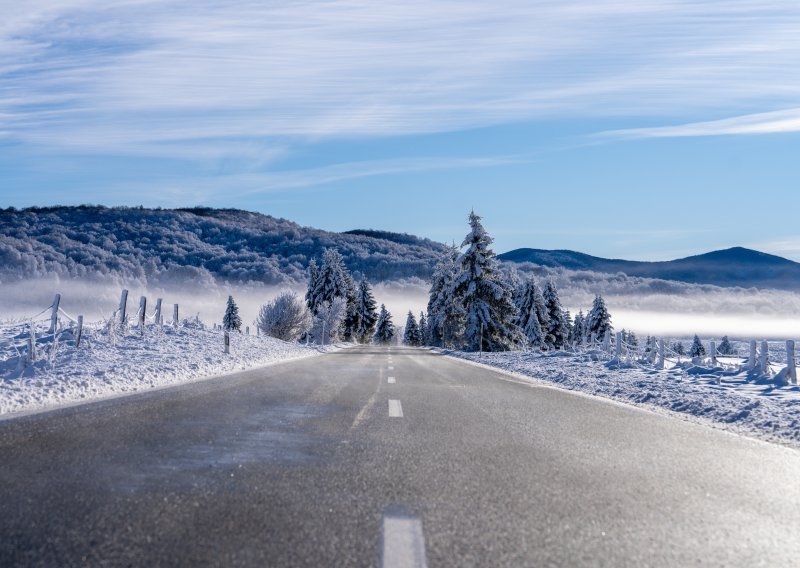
x: 113, y: 364
x: 724, y: 396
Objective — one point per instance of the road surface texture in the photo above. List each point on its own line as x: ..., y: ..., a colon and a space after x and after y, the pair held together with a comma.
x: 401, y: 457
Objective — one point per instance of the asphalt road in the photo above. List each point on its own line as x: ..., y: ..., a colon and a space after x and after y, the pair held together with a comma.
x: 326, y: 462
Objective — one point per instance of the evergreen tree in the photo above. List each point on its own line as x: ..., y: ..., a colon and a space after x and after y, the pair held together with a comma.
x: 332, y: 280
x: 367, y: 312
x: 411, y: 334
x: 578, y: 328
x: 486, y: 298
x: 568, y: 322
x: 423, y: 329
x: 678, y: 348
x: 648, y: 344
x: 384, y: 329
x: 528, y: 318
x: 598, y: 322
x: 725, y: 347
x: 556, y: 331
x: 445, y: 312
x: 632, y: 340
x: 697, y: 349
x: 313, y: 275
x: 231, y: 320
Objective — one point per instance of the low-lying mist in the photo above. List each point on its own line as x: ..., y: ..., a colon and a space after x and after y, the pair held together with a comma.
x: 647, y: 306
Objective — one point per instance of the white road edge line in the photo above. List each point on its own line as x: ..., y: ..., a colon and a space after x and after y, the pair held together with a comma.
x: 403, y: 543
x: 395, y: 409
x: 391, y: 380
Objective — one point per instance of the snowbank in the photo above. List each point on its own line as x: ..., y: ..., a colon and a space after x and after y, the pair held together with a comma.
x: 109, y: 364
x: 724, y: 396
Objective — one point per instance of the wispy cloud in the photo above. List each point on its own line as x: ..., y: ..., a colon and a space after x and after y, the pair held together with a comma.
x: 760, y: 123
x: 144, y: 74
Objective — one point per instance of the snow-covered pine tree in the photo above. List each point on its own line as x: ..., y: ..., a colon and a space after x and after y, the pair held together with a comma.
x: 411, y: 333
x: 327, y: 323
x: 678, y: 348
x: 578, y: 328
x: 445, y: 311
x: 384, y: 329
x: 633, y: 341
x: 423, y: 329
x: 556, y: 331
x: 598, y: 322
x: 568, y: 323
x: 486, y: 297
x: 352, y: 316
x: 528, y: 319
x: 367, y: 312
x: 231, y: 320
x: 332, y: 280
x: 725, y: 347
x: 697, y: 349
x: 648, y: 346
x: 313, y: 275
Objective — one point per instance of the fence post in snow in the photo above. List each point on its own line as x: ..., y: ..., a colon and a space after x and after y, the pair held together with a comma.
x: 227, y: 342
x: 660, y: 362
x: 607, y: 341
x: 32, y: 344
x: 791, y: 367
x: 175, y: 315
x: 713, y: 350
x: 751, y: 362
x: 79, y: 332
x: 123, y: 305
x: 247, y: 330
x: 54, y: 314
x: 157, y: 318
x: 763, y: 358
x: 142, y: 308
x: 618, y: 346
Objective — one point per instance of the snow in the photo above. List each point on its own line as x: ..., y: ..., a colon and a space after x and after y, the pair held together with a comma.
x: 114, y: 364
x: 724, y: 396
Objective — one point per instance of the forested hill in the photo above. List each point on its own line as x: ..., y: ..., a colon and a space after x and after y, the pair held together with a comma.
x: 176, y: 245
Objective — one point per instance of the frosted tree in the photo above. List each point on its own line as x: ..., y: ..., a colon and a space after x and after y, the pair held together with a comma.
x: 578, y: 328
x: 367, y: 312
x: 632, y: 340
x: 313, y: 275
x: 598, y: 321
x: 423, y: 329
x: 411, y: 335
x: 678, y: 348
x: 530, y: 308
x: 328, y: 321
x: 568, y: 322
x: 649, y: 344
x: 286, y: 317
x: 445, y: 311
x: 231, y: 320
x: 725, y: 347
x: 384, y: 329
x: 486, y: 297
x: 697, y: 349
x: 332, y: 280
x: 556, y: 331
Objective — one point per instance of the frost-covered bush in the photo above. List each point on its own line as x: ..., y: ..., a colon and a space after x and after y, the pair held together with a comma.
x: 328, y: 321
x: 286, y: 317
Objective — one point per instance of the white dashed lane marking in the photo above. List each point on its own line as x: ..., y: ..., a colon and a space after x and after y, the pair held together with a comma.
x: 391, y: 380
x: 403, y: 543
x: 395, y: 409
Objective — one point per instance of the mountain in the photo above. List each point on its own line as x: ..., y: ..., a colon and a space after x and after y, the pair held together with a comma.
x: 194, y: 245
x: 730, y: 267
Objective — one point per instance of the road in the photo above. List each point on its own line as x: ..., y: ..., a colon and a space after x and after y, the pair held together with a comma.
x: 371, y: 456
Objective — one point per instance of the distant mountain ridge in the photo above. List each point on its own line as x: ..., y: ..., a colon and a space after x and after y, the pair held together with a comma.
x: 735, y: 266
x: 199, y: 244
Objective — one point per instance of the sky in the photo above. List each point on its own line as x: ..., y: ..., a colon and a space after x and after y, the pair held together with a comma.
x: 627, y: 129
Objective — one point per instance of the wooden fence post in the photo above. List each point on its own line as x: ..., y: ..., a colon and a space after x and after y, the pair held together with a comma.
x: 175, y: 315
x: 157, y: 318
x: 123, y: 306
x: 618, y: 347
x: 607, y: 341
x: 791, y: 373
x: 227, y: 342
x: 660, y: 362
x: 247, y: 330
x: 713, y: 349
x: 54, y: 314
x: 142, y: 309
x: 79, y: 332
x: 763, y: 358
x: 751, y: 362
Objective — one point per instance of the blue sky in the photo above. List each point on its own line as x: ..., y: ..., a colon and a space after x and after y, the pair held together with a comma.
x: 631, y: 129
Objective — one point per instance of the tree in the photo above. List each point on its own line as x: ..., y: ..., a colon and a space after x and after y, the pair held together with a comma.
x: 411, y: 335
x: 423, y: 329
x: 332, y: 280
x: 578, y: 328
x: 697, y: 349
x: 231, y: 320
x: 632, y: 340
x: 725, y: 347
x: 531, y: 307
x: 384, y: 329
x: 598, y: 322
x: 328, y: 320
x: 445, y: 309
x: 286, y: 317
x: 313, y: 275
x: 367, y: 312
x: 556, y: 331
x: 678, y: 348
x: 486, y: 298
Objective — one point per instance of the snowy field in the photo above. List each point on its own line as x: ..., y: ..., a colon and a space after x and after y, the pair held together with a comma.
x: 724, y: 396
x: 111, y: 363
